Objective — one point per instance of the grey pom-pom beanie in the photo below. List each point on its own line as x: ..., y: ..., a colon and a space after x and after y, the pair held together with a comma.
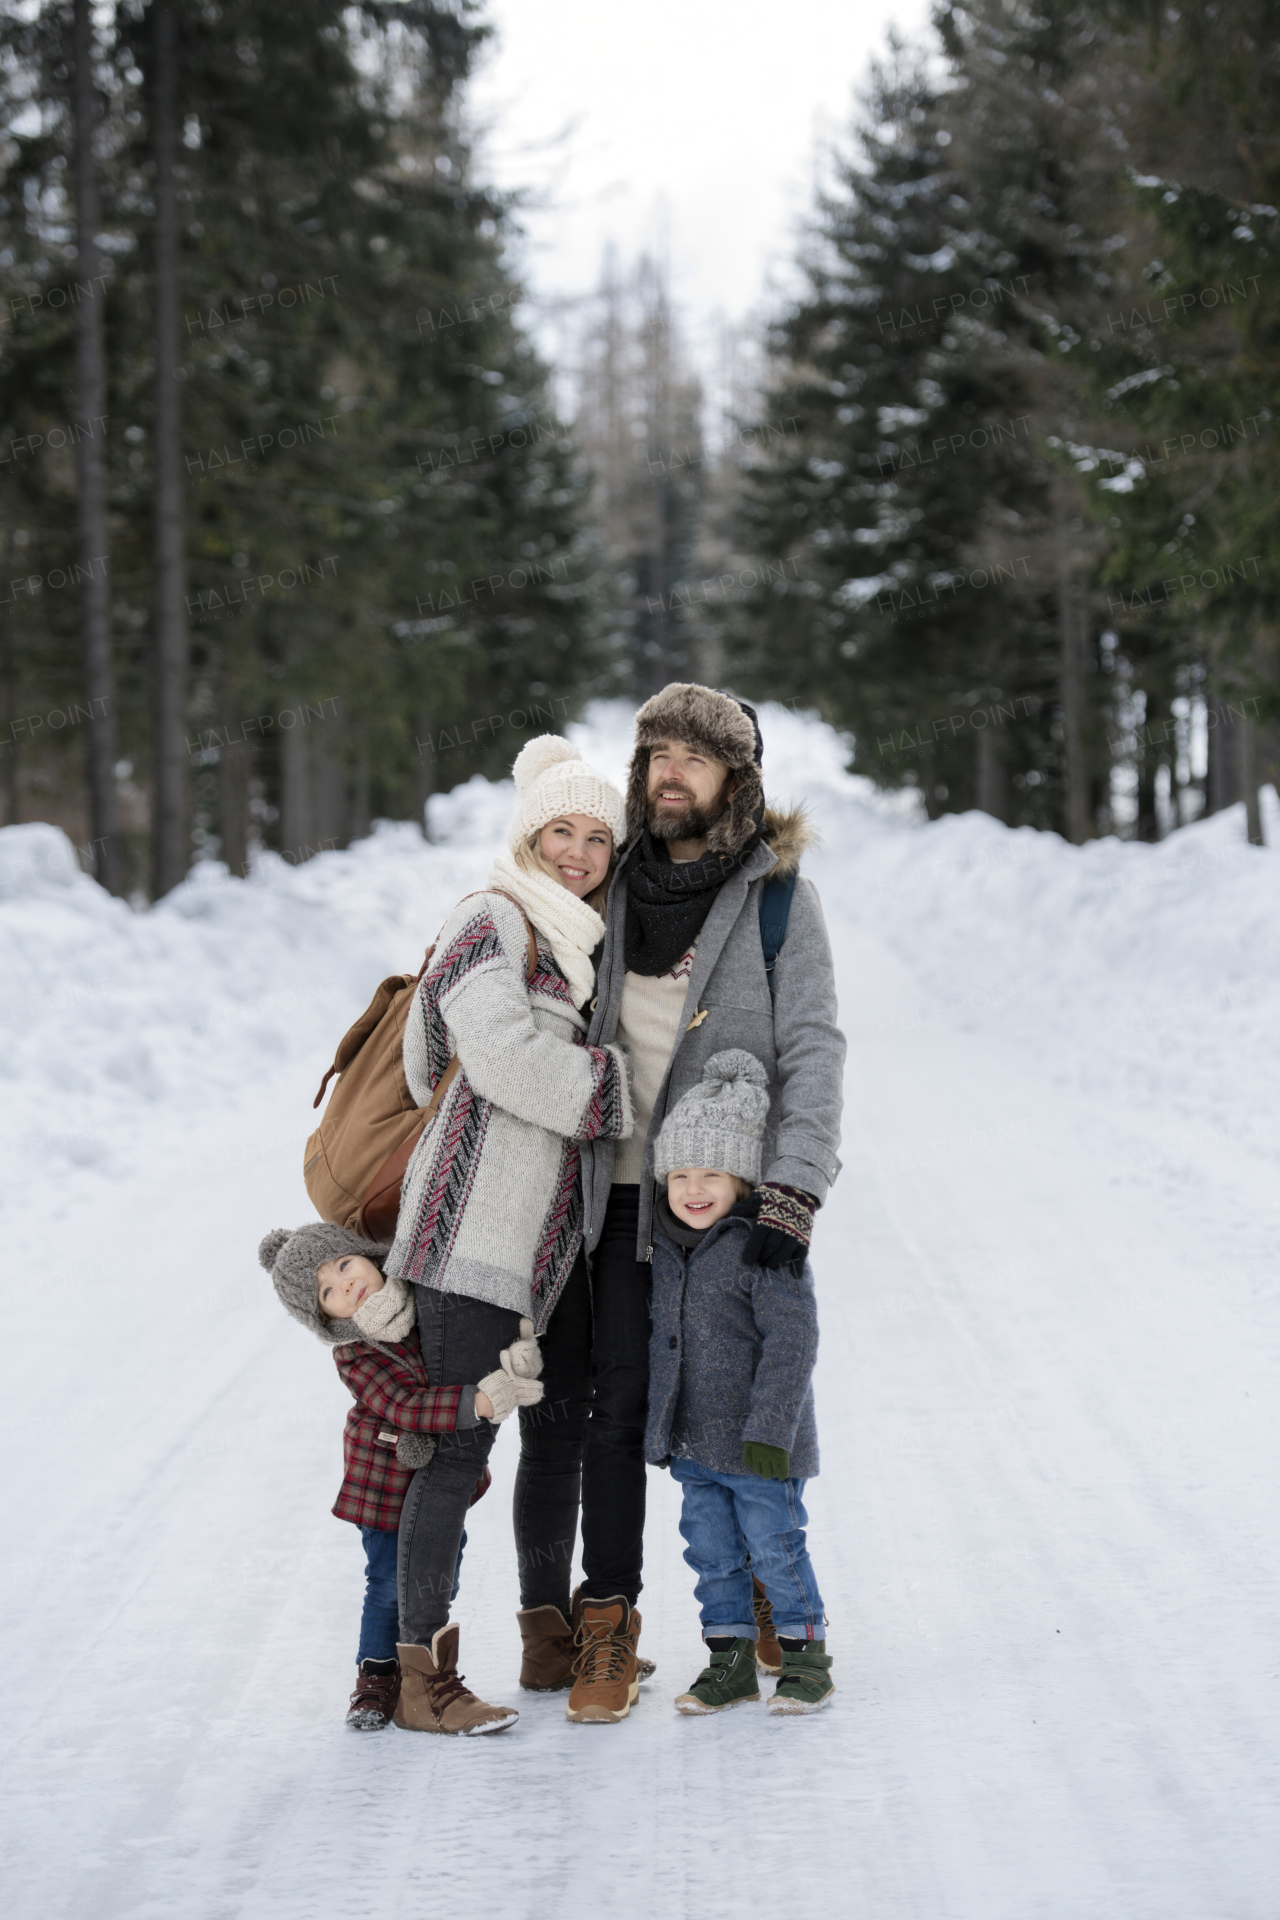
x: 719, y: 1124
x: 293, y: 1260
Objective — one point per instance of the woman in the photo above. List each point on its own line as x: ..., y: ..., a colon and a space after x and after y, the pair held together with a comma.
x: 490, y: 1226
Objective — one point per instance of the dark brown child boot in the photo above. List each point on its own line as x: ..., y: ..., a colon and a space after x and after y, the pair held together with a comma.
x: 433, y: 1698
x: 547, y: 1666
x: 376, y: 1694
x: 768, y: 1651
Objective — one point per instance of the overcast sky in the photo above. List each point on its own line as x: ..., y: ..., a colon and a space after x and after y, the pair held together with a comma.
x: 687, y: 127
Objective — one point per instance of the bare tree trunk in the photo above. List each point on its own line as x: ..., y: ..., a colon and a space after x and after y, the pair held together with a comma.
x: 1147, y: 826
x: 1072, y: 637
x: 91, y: 424
x: 233, y: 801
x: 297, y: 812
x: 1247, y: 754
x: 9, y: 758
x: 358, y: 812
x: 425, y: 784
x: 1220, y: 784
x: 989, y: 775
x: 169, y: 828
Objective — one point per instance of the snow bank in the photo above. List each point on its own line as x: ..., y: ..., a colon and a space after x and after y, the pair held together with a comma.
x: 1147, y: 972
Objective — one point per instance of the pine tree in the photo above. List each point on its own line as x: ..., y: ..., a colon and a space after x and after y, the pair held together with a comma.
x: 889, y: 519
x: 382, y: 517
x: 1192, y: 370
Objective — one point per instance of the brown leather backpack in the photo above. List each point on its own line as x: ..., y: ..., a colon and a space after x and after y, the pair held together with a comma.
x: 357, y: 1157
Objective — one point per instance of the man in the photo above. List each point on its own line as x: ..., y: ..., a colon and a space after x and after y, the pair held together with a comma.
x: 682, y: 975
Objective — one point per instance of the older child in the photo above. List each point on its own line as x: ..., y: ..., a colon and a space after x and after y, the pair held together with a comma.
x: 332, y: 1281
x: 730, y: 1399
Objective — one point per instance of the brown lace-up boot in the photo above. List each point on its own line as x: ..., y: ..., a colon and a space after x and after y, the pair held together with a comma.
x: 768, y: 1649
x: 605, y: 1682
x: 645, y: 1669
x: 547, y: 1666
x: 374, y: 1700
x: 433, y: 1698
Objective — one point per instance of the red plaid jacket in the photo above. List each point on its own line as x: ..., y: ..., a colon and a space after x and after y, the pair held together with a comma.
x: 390, y: 1394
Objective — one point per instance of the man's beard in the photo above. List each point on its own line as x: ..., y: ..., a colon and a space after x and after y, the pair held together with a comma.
x: 686, y: 823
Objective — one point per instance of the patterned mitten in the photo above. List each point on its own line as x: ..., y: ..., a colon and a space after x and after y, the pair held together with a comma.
x: 784, y: 1222
x: 771, y: 1463
x: 508, y: 1391
x: 524, y: 1356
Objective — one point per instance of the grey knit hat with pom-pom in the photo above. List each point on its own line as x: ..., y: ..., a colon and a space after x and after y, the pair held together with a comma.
x: 293, y: 1258
x: 719, y: 1124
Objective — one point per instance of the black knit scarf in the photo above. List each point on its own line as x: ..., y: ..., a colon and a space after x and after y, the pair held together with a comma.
x: 668, y: 902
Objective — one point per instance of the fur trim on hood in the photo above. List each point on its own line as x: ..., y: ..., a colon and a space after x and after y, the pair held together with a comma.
x: 723, y: 727
x: 787, y: 834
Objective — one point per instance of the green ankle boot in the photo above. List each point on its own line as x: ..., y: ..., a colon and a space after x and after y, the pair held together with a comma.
x: 727, y: 1682
x: 806, y: 1683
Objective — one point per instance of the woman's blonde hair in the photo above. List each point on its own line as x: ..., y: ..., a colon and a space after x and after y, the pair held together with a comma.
x: 530, y: 856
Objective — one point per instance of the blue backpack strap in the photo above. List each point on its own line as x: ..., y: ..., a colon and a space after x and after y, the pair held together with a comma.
x: 775, y: 911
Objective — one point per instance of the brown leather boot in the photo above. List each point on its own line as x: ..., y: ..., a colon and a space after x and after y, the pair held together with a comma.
x: 374, y: 1700
x: 547, y: 1666
x: 605, y: 1682
x: 645, y: 1669
x: 433, y: 1698
x: 768, y: 1649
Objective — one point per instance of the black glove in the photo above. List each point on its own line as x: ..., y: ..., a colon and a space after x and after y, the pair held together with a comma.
x: 784, y: 1221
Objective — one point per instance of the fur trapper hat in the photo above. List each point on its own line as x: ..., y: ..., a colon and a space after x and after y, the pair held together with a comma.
x: 719, y: 1124
x: 293, y: 1260
x: 552, y: 779
x: 720, y: 726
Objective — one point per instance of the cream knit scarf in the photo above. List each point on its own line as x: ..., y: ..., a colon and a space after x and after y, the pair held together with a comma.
x: 571, y: 928
x: 386, y: 1315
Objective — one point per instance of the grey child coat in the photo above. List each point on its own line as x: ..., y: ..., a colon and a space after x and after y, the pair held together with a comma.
x: 731, y: 1356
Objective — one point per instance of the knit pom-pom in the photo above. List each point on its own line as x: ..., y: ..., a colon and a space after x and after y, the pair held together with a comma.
x: 414, y: 1450
x: 270, y: 1245
x: 735, y: 1063
x: 533, y: 760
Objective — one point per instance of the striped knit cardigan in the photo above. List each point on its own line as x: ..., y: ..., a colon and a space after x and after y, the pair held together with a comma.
x: 491, y: 1205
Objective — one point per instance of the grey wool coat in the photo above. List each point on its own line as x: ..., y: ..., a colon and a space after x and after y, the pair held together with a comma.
x: 795, y: 1035
x: 731, y: 1356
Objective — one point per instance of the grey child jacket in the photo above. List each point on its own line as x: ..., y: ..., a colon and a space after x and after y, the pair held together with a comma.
x: 794, y: 1035
x: 731, y: 1356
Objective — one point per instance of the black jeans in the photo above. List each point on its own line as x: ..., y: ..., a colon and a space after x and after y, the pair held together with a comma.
x: 461, y: 1341
x: 549, y: 1477
x: 613, y: 1470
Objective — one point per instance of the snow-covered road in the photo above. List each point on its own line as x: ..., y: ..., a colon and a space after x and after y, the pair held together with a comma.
x: 1044, y: 1526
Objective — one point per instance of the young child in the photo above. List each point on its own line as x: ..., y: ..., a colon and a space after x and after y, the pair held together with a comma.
x: 730, y: 1399
x: 332, y: 1281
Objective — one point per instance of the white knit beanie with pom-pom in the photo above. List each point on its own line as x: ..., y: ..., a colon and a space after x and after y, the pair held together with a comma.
x: 553, y: 779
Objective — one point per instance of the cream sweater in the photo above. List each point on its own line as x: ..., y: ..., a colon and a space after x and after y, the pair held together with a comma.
x: 648, y: 1026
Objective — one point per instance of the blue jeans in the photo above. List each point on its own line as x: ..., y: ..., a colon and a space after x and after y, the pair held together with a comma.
x: 380, y: 1621
x: 737, y: 1524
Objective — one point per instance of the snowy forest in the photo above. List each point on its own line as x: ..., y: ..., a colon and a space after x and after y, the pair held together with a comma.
x: 991, y: 493
x: 717, y: 571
